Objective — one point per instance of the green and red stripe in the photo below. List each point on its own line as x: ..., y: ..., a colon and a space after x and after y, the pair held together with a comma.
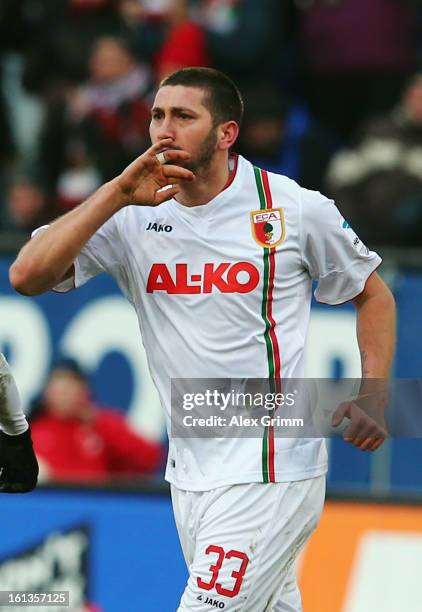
x: 273, y: 351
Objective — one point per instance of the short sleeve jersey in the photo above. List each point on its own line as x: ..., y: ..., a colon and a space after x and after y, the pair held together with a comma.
x: 223, y: 290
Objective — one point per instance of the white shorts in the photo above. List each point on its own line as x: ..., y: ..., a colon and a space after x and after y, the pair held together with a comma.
x: 240, y: 543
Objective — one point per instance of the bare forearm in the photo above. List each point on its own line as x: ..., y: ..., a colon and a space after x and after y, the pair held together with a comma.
x: 376, y: 332
x: 48, y: 257
x: 45, y: 259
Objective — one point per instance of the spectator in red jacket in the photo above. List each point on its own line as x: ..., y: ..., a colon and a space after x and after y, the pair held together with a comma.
x: 75, y: 439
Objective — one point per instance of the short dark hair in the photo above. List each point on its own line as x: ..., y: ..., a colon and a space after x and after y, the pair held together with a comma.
x: 223, y: 98
x: 71, y: 367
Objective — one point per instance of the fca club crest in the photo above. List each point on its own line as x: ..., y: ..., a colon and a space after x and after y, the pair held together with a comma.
x: 268, y: 227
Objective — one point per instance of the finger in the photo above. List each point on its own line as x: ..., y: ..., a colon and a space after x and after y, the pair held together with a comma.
x: 163, y: 148
x: 361, y: 426
x: 365, y: 430
x: 377, y: 441
x: 337, y: 419
x: 367, y: 436
x: 175, y: 182
x: 179, y: 174
x: 365, y: 445
x: 161, y: 158
x: 339, y: 415
x: 175, y: 155
x: 167, y: 194
x: 352, y: 432
x: 159, y: 146
x: 376, y: 444
x: 369, y: 444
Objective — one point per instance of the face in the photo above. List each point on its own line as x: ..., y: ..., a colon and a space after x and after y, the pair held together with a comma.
x: 65, y: 395
x: 25, y: 203
x: 179, y: 113
x: 413, y: 100
x: 109, y: 60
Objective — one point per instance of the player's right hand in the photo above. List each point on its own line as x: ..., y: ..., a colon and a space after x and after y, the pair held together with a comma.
x: 140, y: 183
x: 18, y: 463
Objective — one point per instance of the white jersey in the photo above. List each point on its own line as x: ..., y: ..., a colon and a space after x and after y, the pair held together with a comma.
x: 223, y: 290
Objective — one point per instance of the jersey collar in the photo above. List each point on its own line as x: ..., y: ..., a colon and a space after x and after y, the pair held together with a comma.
x: 233, y: 163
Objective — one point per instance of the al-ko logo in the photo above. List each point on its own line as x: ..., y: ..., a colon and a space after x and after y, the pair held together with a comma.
x: 240, y: 277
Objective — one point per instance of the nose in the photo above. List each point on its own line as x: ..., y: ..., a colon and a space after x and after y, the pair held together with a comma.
x: 166, y: 129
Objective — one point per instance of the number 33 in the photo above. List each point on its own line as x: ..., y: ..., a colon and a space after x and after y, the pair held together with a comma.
x: 215, y: 569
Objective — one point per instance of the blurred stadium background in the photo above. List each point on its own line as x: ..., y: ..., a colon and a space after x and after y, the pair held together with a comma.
x: 333, y: 92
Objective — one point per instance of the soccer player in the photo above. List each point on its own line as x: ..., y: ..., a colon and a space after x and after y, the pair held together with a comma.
x: 219, y: 294
x: 18, y: 464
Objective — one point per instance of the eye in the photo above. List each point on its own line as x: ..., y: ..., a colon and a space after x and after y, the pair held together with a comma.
x: 157, y: 115
x: 185, y: 116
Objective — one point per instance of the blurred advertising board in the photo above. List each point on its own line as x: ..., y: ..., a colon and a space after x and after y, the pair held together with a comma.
x: 364, y: 557
x: 115, y: 551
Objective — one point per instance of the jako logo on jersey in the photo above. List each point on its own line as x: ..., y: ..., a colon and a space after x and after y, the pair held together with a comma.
x: 268, y: 227
x: 158, y: 227
x: 241, y: 277
x: 345, y: 224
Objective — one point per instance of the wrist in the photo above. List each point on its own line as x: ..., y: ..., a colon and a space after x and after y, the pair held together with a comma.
x: 121, y: 197
x: 373, y: 395
x: 15, y: 425
x: 115, y: 195
x: 15, y: 438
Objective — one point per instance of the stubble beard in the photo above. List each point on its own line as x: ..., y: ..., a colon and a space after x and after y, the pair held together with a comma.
x: 202, y: 161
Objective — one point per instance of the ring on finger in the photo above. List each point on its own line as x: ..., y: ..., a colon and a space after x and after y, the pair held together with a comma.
x: 161, y: 158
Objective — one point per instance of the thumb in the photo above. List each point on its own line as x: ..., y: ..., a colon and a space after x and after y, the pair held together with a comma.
x: 339, y: 414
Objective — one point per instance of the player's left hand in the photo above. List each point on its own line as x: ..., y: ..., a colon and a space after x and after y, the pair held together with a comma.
x: 18, y: 463
x: 363, y: 431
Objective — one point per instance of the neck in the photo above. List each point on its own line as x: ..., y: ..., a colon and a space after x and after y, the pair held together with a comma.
x: 208, y: 184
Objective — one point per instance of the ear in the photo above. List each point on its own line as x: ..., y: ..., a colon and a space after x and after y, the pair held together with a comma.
x: 227, y: 135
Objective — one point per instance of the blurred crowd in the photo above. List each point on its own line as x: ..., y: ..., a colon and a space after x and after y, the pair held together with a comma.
x: 333, y: 94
